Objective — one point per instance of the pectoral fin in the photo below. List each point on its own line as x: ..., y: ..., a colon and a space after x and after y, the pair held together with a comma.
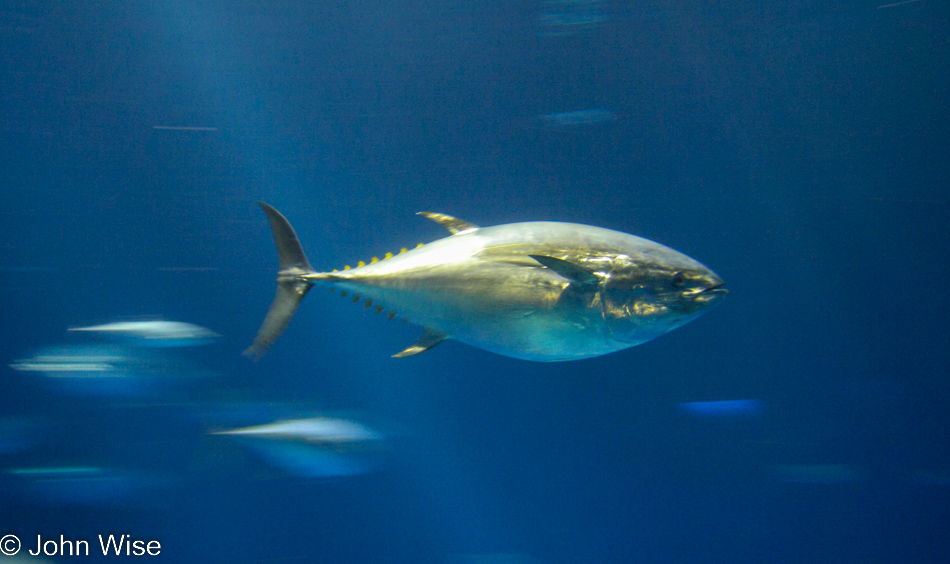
x: 428, y: 340
x: 576, y: 274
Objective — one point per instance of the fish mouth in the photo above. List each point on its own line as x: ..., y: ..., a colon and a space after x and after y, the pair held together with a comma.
x: 708, y: 294
x: 716, y: 289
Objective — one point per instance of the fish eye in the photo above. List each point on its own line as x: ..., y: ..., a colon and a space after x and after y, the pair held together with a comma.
x: 678, y: 279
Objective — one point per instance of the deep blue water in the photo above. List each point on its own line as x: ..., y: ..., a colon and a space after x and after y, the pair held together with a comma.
x: 801, y: 150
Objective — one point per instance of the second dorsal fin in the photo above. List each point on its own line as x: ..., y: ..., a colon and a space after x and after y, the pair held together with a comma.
x: 453, y: 224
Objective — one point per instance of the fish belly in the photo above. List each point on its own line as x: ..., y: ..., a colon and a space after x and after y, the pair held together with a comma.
x: 505, y: 315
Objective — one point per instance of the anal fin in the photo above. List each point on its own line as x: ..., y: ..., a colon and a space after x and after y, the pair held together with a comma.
x: 428, y: 340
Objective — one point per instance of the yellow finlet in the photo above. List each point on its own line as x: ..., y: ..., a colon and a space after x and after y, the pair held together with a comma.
x: 379, y: 309
x: 402, y: 250
x: 419, y: 245
x: 346, y: 267
x: 360, y: 263
x: 373, y: 260
x: 369, y: 302
x: 387, y: 256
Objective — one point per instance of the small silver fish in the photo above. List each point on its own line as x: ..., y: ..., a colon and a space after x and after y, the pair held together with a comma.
x: 317, y: 430
x: 543, y: 291
x: 318, y: 447
x: 155, y: 333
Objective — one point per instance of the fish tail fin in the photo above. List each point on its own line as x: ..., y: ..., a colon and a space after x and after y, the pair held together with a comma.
x: 295, y: 277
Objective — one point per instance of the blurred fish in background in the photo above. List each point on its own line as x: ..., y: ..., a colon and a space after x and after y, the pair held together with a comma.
x: 129, y: 367
x: 741, y: 408
x: 577, y: 118
x: 105, y: 370
x: 98, y: 370
x: 316, y: 447
x: 153, y: 333
x: 562, y: 18
x: 77, y: 485
x: 125, y: 375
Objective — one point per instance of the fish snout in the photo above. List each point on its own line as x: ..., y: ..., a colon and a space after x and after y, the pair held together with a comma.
x: 712, y: 293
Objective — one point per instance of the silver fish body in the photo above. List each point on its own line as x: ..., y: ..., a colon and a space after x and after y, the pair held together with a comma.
x: 157, y: 333
x: 317, y: 430
x: 543, y: 291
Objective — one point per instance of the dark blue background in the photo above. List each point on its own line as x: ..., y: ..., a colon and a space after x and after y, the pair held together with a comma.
x: 801, y: 150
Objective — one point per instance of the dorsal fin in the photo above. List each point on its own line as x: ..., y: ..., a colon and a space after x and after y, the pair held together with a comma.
x: 428, y: 340
x: 453, y: 224
x: 576, y: 274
